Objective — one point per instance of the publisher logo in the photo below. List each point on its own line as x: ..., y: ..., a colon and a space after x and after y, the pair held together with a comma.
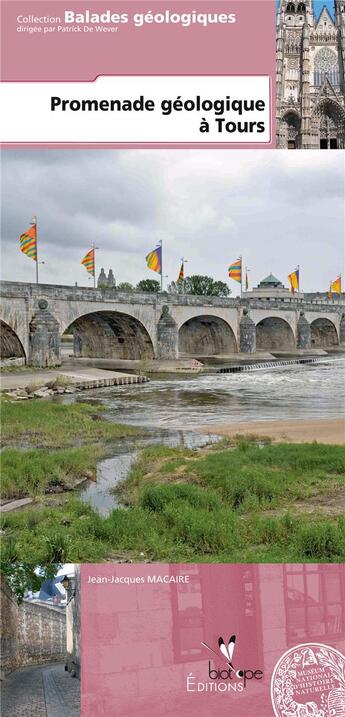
x: 224, y: 674
x: 225, y: 650
x: 309, y: 681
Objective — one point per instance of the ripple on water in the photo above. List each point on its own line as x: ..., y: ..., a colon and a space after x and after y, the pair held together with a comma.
x: 296, y: 391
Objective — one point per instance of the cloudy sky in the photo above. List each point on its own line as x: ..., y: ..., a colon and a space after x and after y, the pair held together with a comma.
x: 278, y: 209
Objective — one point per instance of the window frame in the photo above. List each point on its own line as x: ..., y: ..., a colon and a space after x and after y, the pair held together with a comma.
x: 323, y: 571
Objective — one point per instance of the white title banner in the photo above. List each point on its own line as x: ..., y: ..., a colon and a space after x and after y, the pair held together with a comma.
x: 137, y: 110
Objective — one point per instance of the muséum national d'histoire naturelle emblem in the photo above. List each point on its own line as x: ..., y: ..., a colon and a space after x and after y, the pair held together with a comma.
x: 309, y: 681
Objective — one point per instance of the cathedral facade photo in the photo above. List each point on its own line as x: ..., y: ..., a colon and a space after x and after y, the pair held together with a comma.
x: 310, y: 64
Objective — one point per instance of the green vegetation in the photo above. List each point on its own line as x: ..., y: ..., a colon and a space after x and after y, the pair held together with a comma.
x: 245, y: 504
x: 57, y: 425
x: 125, y: 286
x: 151, y: 285
x: 22, y: 576
x: 205, y: 286
x: 244, y: 478
x: 76, y: 432
x: 200, y: 286
x: 17, y: 369
x: 39, y: 471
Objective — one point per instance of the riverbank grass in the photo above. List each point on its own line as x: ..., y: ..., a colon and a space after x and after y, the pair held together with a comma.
x: 246, y: 477
x: 37, y: 472
x: 242, y: 504
x: 59, y: 445
x: 49, y: 424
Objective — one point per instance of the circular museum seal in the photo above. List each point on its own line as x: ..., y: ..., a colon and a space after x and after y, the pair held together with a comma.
x: 309, y: 681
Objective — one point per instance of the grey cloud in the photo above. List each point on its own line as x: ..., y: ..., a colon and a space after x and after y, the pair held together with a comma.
x: 276, y: 208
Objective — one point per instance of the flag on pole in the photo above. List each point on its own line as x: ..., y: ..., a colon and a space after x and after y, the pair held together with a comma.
x: 28, y: 241
x: 335, y: 286
x: 180, y: 280
x: 235, y: 271
x: 247, y: 280
x: 89, y: 262
x: 154, y: 260
x: 294, y: 280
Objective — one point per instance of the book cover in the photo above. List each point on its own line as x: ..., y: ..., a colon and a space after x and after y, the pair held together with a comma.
x: 172, y: 358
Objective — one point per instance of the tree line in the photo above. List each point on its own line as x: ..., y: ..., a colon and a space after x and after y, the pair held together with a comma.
x: 197, y: 284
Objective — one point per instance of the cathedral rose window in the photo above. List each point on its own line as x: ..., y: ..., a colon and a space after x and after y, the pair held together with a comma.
x: 326, y: 67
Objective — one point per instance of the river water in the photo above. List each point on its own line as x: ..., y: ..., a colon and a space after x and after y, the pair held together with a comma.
x: 172, y: 406
x: 181, y: 402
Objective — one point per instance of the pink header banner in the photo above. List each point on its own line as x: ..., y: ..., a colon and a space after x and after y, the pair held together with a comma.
x: 213, y: 640
x: 58, y: 42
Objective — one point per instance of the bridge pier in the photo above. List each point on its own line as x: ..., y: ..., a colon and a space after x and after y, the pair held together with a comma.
x: 167, y: 336
x: 247, y: 334
x: 342, y: 330
x: 44, y: 338
x: 303, y: 332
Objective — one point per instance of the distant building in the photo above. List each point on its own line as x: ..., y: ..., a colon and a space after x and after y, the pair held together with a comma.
x: 102, y: 279
x: 111, y: 279
x: 271, y: 288
x: 310, y: 63
x: 106, y: 282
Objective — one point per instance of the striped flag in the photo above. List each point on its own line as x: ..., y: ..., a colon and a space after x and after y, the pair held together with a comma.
x: 89, y: 262
x: 294, y: 280
x: 28, y: 241
x: 235, y: 271
x: 180, y: 280
x: 154, y: 260
x: 335, y: 286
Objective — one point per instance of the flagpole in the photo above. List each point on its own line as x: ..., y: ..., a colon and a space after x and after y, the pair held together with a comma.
x: 241, y: 274
x: 161, y: 245
x: 94, y: 265
x: 183, y: 262
x: 35, y: 222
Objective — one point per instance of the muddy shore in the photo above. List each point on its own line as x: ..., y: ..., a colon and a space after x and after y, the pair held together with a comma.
x: 323, y: 430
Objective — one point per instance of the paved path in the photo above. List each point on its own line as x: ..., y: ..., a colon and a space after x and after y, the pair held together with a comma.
x: 78, y: 375
x: 40, y: 691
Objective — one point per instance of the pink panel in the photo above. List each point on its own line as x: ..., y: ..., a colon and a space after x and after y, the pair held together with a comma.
x: 150, y: 635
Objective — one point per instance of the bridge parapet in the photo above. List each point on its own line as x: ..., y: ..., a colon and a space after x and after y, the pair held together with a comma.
x: 334, y: 306
x: 85, y: 293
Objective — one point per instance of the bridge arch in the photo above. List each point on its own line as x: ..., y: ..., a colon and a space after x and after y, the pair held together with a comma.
x: 323, y: 333
x: 274, y: 333
x: 110, y: 334
x: 10, y: 344
x: 206, y: 335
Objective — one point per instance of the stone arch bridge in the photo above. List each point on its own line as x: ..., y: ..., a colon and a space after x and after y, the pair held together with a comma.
x: 106, y: 323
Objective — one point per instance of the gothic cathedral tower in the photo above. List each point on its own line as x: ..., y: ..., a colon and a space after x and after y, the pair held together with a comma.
x: 310, y: 64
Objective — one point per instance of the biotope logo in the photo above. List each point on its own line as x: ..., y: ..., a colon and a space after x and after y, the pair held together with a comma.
x: 229, y: 679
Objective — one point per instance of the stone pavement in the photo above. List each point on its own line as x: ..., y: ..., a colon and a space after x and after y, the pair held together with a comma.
x: 83, y: 377
x: 40, y: 691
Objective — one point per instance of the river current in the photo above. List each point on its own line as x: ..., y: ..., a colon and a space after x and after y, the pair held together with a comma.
x: 186, y: 402
x: 170, y: 407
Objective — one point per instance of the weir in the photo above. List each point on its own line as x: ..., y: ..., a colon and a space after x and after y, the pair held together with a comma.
x: 269, y: 364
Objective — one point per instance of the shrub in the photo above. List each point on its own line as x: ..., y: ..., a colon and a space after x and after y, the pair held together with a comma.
x: 156, y: 498
x: 321, y: 541
x: 200, y: 529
